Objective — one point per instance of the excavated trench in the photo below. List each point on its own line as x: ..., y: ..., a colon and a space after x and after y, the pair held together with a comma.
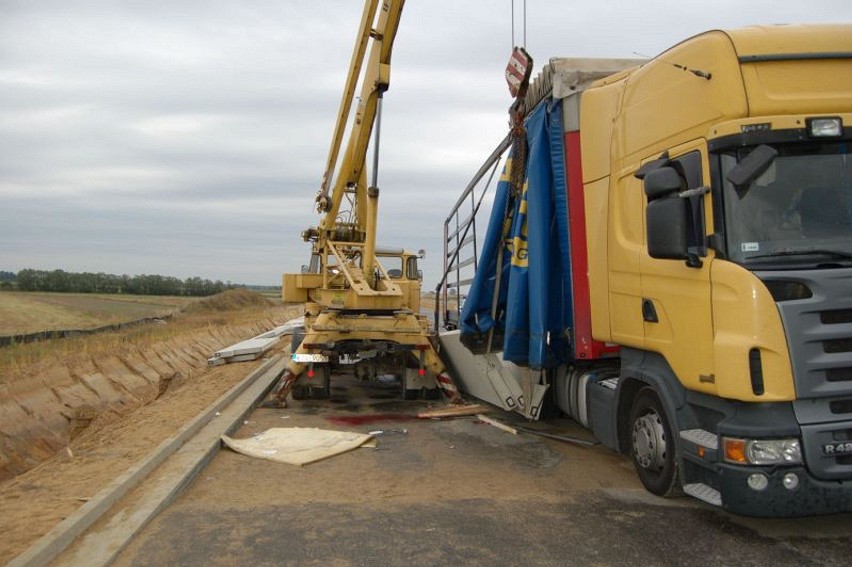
x: 47, y: 405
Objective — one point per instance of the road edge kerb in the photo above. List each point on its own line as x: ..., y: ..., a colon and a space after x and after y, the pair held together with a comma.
x: 57, y: 540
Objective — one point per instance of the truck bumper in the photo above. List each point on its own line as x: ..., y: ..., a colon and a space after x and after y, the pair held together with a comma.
x: 810, y: 497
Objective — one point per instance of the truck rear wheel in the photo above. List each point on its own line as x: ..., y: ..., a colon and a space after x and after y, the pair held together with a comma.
x: 652, y: 445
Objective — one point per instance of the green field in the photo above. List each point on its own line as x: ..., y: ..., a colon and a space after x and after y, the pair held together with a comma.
x: 31, y: 312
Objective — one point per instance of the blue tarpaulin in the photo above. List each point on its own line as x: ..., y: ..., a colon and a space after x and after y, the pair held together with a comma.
x: 527, y: 239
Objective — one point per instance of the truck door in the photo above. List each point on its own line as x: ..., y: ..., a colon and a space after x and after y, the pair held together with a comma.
x: 676, y: 295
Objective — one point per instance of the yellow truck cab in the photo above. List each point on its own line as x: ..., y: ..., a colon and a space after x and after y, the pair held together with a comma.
x: 725, y: 271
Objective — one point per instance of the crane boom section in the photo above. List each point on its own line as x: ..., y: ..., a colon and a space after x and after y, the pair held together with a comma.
x: 351, y: 178
x: 355, y: 64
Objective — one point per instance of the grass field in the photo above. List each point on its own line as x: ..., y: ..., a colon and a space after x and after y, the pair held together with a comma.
x: 273, y: 295
x: 234, y: 307
x: 31, y: 312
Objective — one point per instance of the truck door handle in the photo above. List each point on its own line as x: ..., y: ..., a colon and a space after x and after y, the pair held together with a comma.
x: 649, y: 312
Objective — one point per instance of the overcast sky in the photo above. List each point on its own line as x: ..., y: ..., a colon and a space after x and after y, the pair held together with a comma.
x: 188, y: 138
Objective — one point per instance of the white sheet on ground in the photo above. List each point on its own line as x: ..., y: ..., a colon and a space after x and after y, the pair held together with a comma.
x: 297, y: 445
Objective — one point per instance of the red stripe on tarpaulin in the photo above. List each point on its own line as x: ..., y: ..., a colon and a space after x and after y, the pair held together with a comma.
x: 585, y: 347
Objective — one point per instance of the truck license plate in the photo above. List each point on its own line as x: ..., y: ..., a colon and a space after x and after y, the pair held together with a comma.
x: 308, y: 357
x: 837, y: 449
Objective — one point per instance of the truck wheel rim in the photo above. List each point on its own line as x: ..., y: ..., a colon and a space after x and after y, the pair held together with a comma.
x: 649, y: 441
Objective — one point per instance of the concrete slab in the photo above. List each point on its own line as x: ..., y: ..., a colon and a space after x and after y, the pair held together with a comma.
x: 251, y: 349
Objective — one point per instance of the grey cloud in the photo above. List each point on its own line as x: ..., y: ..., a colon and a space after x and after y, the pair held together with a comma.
x: 188, y: 138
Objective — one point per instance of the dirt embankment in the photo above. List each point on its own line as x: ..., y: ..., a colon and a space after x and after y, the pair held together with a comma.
x: 51, y: 393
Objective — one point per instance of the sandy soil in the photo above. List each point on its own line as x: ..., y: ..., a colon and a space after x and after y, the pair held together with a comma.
x: 67, y: 429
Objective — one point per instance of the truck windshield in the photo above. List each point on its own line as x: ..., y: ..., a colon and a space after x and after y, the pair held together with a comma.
x: 796, y: 213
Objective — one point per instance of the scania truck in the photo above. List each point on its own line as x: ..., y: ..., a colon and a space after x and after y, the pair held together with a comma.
x: 675, y: 270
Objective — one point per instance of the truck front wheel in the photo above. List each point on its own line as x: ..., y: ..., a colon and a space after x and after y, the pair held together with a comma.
x: 652, y: 445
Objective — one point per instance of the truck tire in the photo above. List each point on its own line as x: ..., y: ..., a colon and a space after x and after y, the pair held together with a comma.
x: 652, y: 445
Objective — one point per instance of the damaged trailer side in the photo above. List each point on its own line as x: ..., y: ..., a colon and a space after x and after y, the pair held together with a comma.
x: 527, y: 310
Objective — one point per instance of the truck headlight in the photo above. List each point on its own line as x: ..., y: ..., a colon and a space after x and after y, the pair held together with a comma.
x: 762, y: 451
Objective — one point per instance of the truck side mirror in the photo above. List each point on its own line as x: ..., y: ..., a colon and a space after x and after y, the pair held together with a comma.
x: 667, y: 220
x: 661, y: 182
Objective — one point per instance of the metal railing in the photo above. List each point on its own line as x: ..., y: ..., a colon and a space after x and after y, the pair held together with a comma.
x: 460, y: 245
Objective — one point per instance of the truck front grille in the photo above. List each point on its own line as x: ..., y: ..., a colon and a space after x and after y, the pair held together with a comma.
x: 839, y: 374
x: 819, y: 331
x: 836, y: 317
x: 832, y: 465
x: 819, y: 338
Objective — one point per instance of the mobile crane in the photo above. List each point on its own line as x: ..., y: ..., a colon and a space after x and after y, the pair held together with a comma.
x: 357, y: 310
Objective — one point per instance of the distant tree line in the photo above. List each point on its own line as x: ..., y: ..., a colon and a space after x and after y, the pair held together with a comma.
x: 87, y: 282
x: 7, y: 280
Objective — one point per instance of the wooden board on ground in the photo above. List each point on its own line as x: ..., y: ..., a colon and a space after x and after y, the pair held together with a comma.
x: 457, y: 411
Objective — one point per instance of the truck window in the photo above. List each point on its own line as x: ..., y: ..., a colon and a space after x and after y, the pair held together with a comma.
x: 393, y: 265
x: 411, y: 269
x: 797, y: 212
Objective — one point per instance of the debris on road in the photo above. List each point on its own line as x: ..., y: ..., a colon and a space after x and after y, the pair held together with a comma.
x: 497, y: 424
x: 521, y: 429
x: 514, y: 430
x: 565, y: 438
x: 383, y: 431
x: 297, y: 445
x: 456, y: 411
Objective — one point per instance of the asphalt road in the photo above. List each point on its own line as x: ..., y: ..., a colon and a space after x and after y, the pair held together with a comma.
x: 455, y: 493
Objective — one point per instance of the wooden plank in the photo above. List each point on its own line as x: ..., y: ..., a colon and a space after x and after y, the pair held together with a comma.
x: 458, y: 411
x: 497, y: 424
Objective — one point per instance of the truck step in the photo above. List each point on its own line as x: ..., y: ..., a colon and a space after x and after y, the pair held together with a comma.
x: 701, y: 437
x: 703, y: 492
